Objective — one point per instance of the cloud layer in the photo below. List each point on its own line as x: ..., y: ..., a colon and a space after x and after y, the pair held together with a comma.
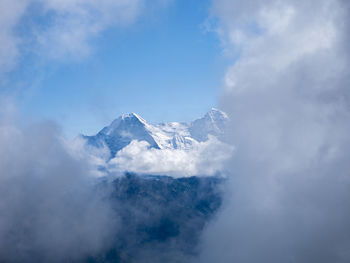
x: 288, y: 94
x: 205, y: 158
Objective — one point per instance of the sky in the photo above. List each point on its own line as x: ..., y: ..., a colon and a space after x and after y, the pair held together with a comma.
x: 155, y: 63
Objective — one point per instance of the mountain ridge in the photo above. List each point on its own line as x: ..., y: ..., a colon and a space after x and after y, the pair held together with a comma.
x: 171, y: 135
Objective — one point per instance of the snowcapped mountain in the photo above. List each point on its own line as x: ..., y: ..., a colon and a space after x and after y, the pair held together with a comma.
x: 173, y: 135
x: 121, y: 132
x: 213, y: 123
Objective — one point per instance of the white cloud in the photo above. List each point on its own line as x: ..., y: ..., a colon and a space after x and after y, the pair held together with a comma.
x: 205, y: 158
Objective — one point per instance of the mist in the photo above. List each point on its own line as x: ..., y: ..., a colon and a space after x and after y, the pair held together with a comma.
x: 50, y: 209
x: 54, y: 206
x: 287, y: 95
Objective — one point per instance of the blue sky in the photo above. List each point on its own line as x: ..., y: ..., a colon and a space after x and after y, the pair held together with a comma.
x: 164, y: 66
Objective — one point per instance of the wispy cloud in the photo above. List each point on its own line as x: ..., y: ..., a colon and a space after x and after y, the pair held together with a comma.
x: 72, y: 24
x: 59, y: 29
x: 10, y: 14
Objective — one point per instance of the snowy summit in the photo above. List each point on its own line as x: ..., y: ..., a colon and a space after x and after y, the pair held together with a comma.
x: 172, y: 135
x: 176, y: 149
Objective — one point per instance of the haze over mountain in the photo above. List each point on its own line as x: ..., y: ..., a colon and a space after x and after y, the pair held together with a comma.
x: 131, y: 143
x: 171, y: 135
x: 54, y: 210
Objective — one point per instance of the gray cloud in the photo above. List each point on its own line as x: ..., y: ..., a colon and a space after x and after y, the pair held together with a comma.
x: 50, y: 209
x: 288, y: 98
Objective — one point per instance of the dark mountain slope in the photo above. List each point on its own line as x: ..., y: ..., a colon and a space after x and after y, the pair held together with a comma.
x: 161, y: 217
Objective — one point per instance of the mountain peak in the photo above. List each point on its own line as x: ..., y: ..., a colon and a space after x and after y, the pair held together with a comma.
x: 213, y: 123
x: 131, y: 126
x: 128, y: 119
x: 132, y: 116
x: 215, y: 114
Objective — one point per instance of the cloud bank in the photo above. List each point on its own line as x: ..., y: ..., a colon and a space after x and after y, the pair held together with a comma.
x: 50, y: 209
x: 288, y: 96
